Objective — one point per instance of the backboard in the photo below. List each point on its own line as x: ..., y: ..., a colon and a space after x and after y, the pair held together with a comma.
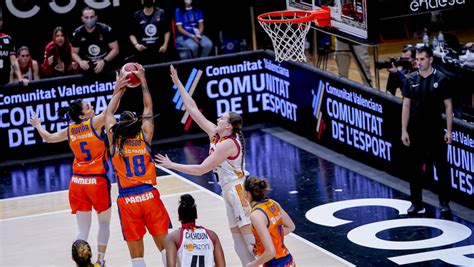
x: 349, y: 16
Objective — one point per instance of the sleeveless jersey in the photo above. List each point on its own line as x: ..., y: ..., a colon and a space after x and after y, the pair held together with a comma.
x: 195, y: 248
x: 231, y: 169
x: 274, y: 226
x: 27, y: 73
x: 134, y: 166
x: 89, y: 149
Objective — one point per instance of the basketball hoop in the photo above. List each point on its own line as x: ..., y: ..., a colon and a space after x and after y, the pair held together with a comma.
x: 288, y: 28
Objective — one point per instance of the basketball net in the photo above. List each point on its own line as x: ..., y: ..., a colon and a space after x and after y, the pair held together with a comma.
x: 288, y: 29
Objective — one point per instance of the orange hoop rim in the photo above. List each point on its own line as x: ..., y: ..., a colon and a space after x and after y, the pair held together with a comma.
x: 302, y: 16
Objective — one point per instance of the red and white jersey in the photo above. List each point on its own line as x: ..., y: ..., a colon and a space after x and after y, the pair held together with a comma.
x: 231, y: 169
x: 196, y: 247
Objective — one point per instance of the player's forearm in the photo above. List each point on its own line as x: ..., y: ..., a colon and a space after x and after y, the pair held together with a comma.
x: 147, y: 100
x: 449, y: 118
x: 192, y: 169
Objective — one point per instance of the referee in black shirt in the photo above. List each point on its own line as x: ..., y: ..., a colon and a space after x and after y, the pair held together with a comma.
x: 425, y: 95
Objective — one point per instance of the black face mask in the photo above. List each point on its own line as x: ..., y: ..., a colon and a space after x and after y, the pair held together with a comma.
x: 148, y: 3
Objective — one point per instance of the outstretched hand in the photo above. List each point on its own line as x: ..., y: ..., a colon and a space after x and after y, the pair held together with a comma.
x: 163, y: 161
x: 174, y: 75
x: 120, y: 81
x: 140, y: 72
x: 34, y: 120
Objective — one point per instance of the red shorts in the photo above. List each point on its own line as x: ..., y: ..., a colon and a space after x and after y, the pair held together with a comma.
x: 86, y: 192
x: 142, y: 210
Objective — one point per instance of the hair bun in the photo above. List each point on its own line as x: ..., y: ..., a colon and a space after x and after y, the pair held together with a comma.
x: 187, y: 200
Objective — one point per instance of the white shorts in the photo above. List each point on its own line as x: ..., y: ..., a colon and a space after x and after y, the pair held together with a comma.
x: 237, y: 206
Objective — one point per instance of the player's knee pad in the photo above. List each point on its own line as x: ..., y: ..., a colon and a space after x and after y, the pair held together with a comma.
x: 104, y: 227
x: 250, y: 241
x: 241, y: 249
x: 83, y: 224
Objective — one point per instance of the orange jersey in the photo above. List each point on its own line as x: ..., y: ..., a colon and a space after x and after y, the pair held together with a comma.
x: 274, y: 226
x: 134, y: 166
x: 89, y: 149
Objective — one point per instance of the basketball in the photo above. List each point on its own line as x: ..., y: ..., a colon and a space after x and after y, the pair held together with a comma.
x: 127, y: 72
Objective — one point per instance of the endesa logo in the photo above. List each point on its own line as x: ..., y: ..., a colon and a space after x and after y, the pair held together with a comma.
x: 368, y: 235
x: 27, y: 11
x: 428, y: 5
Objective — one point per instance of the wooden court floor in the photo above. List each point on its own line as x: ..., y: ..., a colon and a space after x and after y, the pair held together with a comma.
x: 42, y: 233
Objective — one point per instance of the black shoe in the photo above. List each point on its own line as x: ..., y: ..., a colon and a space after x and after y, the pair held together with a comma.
x: 416, y: 209
x: 444, y: 207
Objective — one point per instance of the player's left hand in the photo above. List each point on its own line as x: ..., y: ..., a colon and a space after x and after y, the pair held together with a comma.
x: 34, y: 120
x: 163, y: 161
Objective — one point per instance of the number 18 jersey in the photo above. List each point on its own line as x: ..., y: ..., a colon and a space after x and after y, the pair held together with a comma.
x: 134, y: 164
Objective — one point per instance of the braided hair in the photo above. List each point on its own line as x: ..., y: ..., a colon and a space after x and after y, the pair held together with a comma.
x: 236, y: 121
x: 128, y: 127
x: 258, y: 187
x: 187, y: 209
x: 71, y: 112
x: 81, y: 253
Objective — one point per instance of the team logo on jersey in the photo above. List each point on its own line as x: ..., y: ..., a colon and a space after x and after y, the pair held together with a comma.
x: 435, y: 85
x: 189, y: 247
x: 94, y: 50
x: 150, y: 30
x: 6, y: 41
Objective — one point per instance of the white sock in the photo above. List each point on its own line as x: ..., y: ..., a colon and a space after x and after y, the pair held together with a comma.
x: 163, y: 256
x: 138, y: 262
x: 83, y: 219
x: 104, y: 227
x: 250, y: 241
x: 241, y: 249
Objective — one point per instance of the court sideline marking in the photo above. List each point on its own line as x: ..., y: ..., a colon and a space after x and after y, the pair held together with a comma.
x: 311, y: 244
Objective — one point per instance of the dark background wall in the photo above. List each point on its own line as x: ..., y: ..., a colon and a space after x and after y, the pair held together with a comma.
x: 36, y: 31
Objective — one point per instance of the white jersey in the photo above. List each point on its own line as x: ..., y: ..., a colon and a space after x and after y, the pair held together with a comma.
x: 231, y: 169
x: 196, y: 248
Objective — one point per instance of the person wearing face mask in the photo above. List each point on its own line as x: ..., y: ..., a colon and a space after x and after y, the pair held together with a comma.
x: 189, y: 23
x: 94, y: 45
x: 150, y: 33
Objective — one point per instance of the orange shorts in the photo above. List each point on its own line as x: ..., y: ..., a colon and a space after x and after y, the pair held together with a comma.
x: 86, y: 192
x: 142, y: 210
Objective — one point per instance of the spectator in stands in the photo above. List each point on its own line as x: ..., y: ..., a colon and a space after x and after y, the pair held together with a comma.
x: 426, y: 96
x: 7, y: 56
x: 190, y: 28
x: 344, y: 49
x: 94, y: 45
x: 150, y: 33
x: 397, y: 74
x: 58, y: 56
x: 29, y: 68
